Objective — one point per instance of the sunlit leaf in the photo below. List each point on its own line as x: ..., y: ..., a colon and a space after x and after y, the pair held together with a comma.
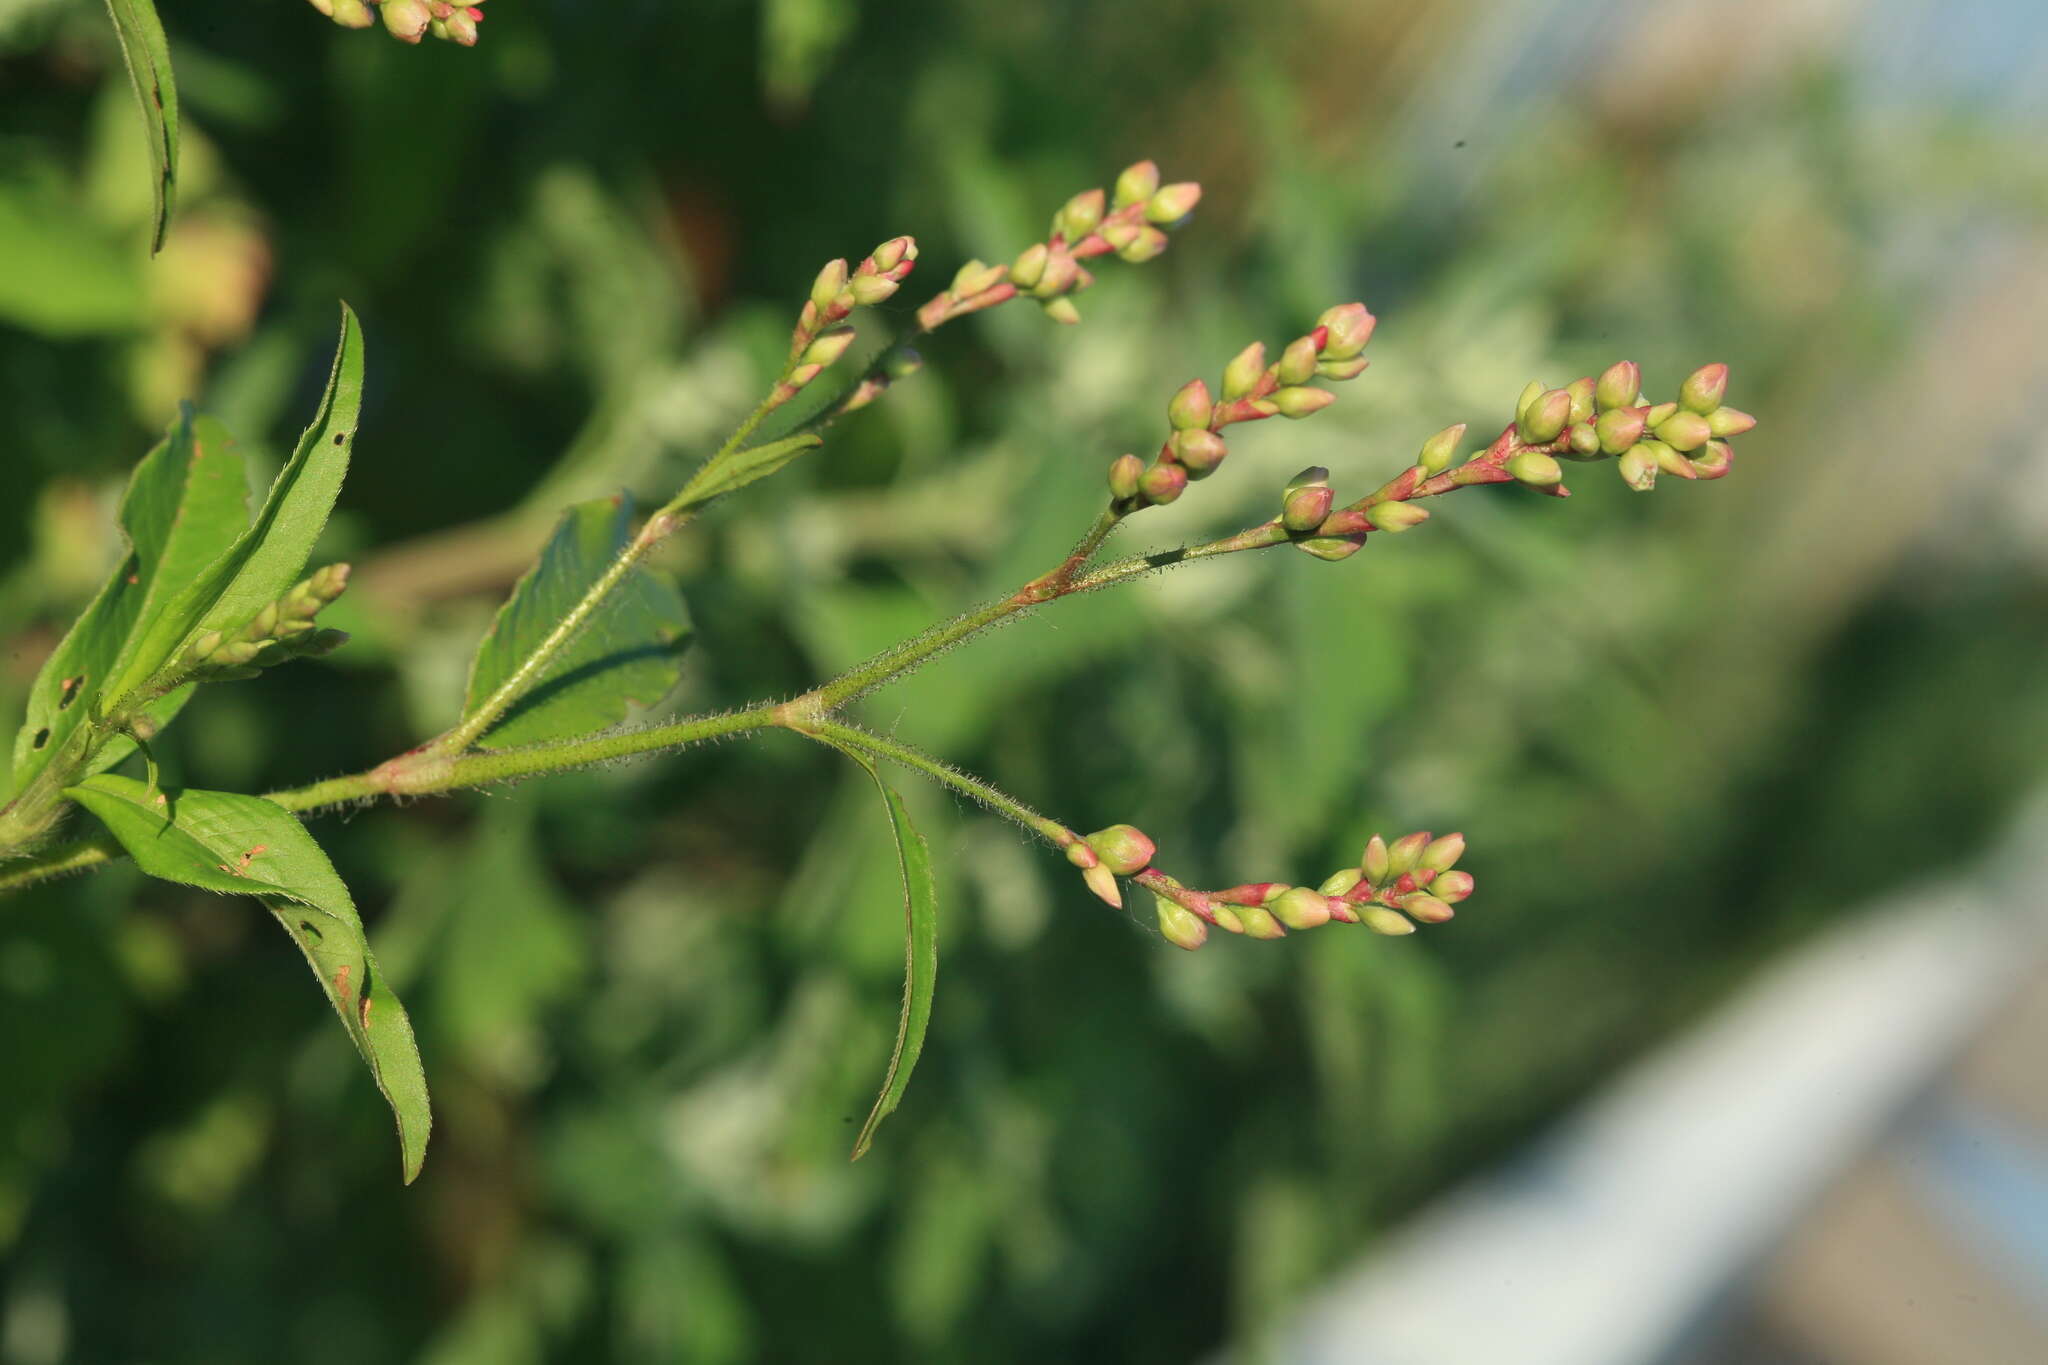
x: 629, y: 654
x: 149, y: 71
x: 245, y: 845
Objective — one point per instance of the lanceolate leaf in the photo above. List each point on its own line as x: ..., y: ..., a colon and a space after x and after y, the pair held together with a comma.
x: 149, y: 71
x: 629, y: 654
x: 266, y: 560
x: 920, y: 956
x: 185, y: 505
x: 244, y: 845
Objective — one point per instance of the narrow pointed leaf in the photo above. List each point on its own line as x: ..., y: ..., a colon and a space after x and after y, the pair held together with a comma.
x: 267, y: 558
x: 185, y: 505
x: 149, y: 71
x: 245, y: 845
x: 629, y: 654
x: 920, y: 955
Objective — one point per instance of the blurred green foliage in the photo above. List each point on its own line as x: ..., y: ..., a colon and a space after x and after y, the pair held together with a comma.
x: 1680, y: 730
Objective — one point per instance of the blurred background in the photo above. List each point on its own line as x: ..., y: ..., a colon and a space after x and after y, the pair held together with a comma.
x: 1692, y: 736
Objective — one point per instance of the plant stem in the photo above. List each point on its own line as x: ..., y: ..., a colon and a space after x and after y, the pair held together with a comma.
x: 866, y: 741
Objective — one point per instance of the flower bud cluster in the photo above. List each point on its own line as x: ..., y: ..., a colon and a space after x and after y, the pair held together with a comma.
x: 408, y: 20
x: 821, y: 336
x: 1253, y: 388
x: 283, y: 630
x: 1607, y: 418
x: 1133, y: 224
x: 1394, y: 887
x: 1119, y: 851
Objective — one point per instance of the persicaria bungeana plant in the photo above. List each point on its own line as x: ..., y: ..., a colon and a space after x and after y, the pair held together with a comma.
x: 206, y: 594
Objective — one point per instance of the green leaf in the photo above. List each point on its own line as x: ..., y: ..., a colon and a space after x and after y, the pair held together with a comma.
x: 920, y: 955
x: 245, y: 845
x: 149, y: 70
x: 630, y: 653
x: 743, y: 467
x: 268, y: 557
x: 185, y: 504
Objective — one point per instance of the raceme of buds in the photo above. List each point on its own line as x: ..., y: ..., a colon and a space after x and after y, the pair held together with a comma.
x: 819, y: 340
x: 1394, y: 887
x: 1593, y: 419
x: 282, y: 630
x: 408, y: 20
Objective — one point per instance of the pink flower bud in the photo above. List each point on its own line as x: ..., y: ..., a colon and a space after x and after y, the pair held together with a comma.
x: 1342, y: 369
x: 1426, y: 908
x: 1173, y: 203
x: 1190, y: 407
x: 1124, y: 473
x: 1659, y: 413
x: 1376, y: 862
x: 1452, y: 886
x: 1703, y: 389
x: 1714, y: 461
x: 1061, y: 310
x: 1619, y: 386
x: 1199, y: 451
x: 1340, y: 882
x: 1619, y: 428
x: 1148, y: 243
x: 1103, y: 883
x: 406, y: 20
x: 1079, y: 216
x: 1306, y: 508
x: 1440, y: 855
x: 828, y: 347
x: 1348, y: 327
x: 1163, y: 483
x: 1381, y: 920
x: 1729, y: 421
x: 1124, y: 849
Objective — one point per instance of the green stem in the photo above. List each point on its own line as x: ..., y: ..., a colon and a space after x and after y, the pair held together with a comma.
x: 840, y: 734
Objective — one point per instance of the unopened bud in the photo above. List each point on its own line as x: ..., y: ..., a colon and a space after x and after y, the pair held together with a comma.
x: 1061, y: 270
x: 1139, y: 182
x: 1079, y: 216
x: 1163, y: 483
x: 893, y: 253
x: 1659, y: 412
x: 1381, y: 920
x: 869, y: 290
x: 1302, y: 908
x: 1531, y: 391
x: 1395, y: 517
x: 1259, y: 922
x: 1244, y: 371
x: 1341, y: 370
x: 1619, y: 386
x: 1440, y: 855
x: 1684, y: 431
x: 1173, y: 203
x: 1120, y: 233
x: 1199, y: 451
x: 1638, y: 466
x: 1061, y: 310
x: 1332, y: 548
x: 1405, y: 852
x: 1103, y: 883
x: 1029, y: 267
x: 1226, y: 917
x: 1583, y: 439
x: 1190, y: 407
x: 1148, y: 243
x: 406, y: 20
x: 1439, y: 450
x: 1729, y: 421
x: 1298, y: 361
x: 1306, y: 508
x: 1452, y: 886
x: 825, y: 290
x: 1124, y: 473
x: 1673, y: 463
x: 1427, y: 908
x: 1349, y: 326
x: 1123, y: 849
x: 1703, y: 389
x: 1545, y: 417
x: 351, y: 14
x: 975, y: 277
x: 1341, y: 881
x: 1536, y: 469
x: 1301, y: 401
x: 1376, y: 862
x: 1581, y: 391
x: 460, y: 25
x: 1178, y: 925
x: 1619, y: 428
x: 829, y: 346
x: 1714, y: 460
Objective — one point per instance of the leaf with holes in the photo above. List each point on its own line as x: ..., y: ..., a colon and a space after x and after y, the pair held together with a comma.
x: 630, y: 653
x: 264, y: 562
x: 247, y: 846
x: 186, y: 503
x: 149, y: 71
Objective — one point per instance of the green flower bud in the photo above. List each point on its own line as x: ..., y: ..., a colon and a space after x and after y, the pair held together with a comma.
x: 1729, y: 421
x: 1545, y: 417
x: 1396, y: 517
x: 1259, y: 922
x: 1061, y: 310
x: 830, y: 345
x: 1120, y: 233
x: 1138, y: 183
x: 1227, y: 918
x: 1340, y: 882
x: 1191, y: 407
x: 1530, y: 393
x: 1331, y: 548
x: 1582, y: 439
x: 1148, y: 243
x: 1349, y: 327
x: 1440, y: 855
x: 1619, y: 386
x: 1381, y: 920
x: 1581, y: 391
x: 1376, y: 862
x: 1439, y: 450
x: 1302, y: 908
x: 1684, y: 431
x: 892, y: 254
x: 263, y: 624
x: 1703, y: 389
x: 406, y: 20
x: 1244, y: 372
x: 1298, y: 361
x: 352, y: 14
x: 1673, y: 463
x: 1178, y: 925
x: 826, y: 288
x: 1301, y: 402
x: 1659, y: 412
x: 1619, y: 428
x: 1638, y: 466
x: 1102, y: 882
x: 1061, y: 270
x: 1452, y: 886
x: 1405, y: 852
x: 1163, y: 483
x: 1124, y: 473
x: 1079, y: 216
x: 1029, y: 267
x: 1199, y: 451
x: 1173, y: 203
x: 1536, y: 469
x: 975, y: 277
x: 1123, y: 849
x: 1341, y: 370
x: 1306, y: 508
x: 1714, y: 460
x: 1426, y: 908
x: 869, y: 290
